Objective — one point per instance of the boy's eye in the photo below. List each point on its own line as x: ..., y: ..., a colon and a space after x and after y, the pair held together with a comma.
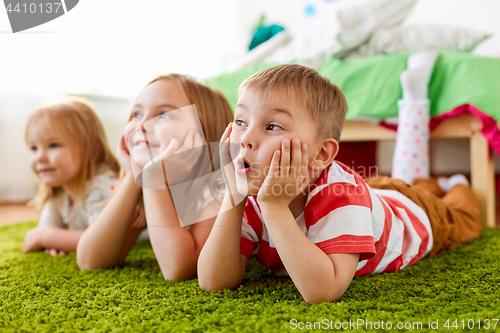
x: 239, y: 122
x: 274, y: 127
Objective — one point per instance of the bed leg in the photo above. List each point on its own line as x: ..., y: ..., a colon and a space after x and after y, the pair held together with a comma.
x: 483, y: 175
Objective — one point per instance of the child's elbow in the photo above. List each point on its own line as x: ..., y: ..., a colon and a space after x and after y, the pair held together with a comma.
x: 177, y: 275
x: 90, y: 262
x: 85, y: 263
x: 321, y: 297
x: 180, y: 269
x: 211, y: 285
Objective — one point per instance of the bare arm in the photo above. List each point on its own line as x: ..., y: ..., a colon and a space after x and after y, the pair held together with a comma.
x: 51, y: 238
x: 221, y: 265
x: 102, y: 244
x: 176, y: 248
x: 318, y: 277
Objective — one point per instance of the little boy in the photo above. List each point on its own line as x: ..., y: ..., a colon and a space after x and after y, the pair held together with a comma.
x: 311, y: 217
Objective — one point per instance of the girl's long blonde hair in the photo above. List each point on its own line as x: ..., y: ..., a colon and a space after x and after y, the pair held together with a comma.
x: 76, y: 121
x: 214, y: 113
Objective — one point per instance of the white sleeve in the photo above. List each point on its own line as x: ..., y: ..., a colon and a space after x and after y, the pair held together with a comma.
x: 51, y: 216
x: 248, y: 232
x: 98, y: 194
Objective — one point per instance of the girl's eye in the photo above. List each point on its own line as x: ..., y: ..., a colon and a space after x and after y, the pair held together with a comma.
x: 239, y: 122
x: 165, y: 115
x: 274, y: 127
x: 54, y: 145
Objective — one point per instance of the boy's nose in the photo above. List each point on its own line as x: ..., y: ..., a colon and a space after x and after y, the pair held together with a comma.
x: 249, y: 138
x: 246, y: 145
x: 246, y: 142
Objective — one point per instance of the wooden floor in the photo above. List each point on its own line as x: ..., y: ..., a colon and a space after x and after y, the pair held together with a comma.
x: 15, y: 213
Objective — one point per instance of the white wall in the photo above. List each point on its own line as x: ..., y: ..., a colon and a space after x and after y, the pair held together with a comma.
x: 104, y: 48
x: 475, y: 14
x: 114, y: 47
x: 17, y: 183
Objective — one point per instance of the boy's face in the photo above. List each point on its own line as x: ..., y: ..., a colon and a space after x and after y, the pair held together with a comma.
x: 260, y: 126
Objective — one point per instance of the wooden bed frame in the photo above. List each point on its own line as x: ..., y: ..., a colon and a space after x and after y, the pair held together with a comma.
x: 466, y: 126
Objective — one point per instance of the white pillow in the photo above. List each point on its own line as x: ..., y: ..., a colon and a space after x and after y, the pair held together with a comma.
x: 419, y: 38
x: 343, y: 30
x: 317, y: 40
x: 358, y: 23
x: 489, y: 47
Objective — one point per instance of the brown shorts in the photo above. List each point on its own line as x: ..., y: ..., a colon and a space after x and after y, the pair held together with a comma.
x: 454, y: 216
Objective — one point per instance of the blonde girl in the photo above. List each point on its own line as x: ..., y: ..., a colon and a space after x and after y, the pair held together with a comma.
x: 167, y: 101
x: 76, y: 172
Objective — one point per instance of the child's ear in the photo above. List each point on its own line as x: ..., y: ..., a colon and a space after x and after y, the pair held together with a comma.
x: 325, y: 155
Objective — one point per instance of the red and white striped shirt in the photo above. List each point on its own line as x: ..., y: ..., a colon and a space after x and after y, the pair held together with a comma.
x: 344, y: 215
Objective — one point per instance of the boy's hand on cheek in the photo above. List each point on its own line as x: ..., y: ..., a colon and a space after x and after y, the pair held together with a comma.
x: 287, y: 176
x: 227, y: 166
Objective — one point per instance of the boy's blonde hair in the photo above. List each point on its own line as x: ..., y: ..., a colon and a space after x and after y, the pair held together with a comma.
x: 215, y: 114
x: 323, y: 99
x: 76, y: 121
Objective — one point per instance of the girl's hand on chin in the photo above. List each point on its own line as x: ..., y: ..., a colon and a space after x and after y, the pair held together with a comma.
x: 179, y: 162
x: 127, y: 163
x: 123, y: 155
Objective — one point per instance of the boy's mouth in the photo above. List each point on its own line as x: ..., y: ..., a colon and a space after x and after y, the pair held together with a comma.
x: 242, y: 167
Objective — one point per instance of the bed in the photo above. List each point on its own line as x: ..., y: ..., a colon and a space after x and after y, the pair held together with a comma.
x: 462, y: 126
x: 465, y: 103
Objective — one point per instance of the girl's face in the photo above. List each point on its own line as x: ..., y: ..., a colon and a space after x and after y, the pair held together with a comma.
x: 51, y: 157
x: 155, y: 117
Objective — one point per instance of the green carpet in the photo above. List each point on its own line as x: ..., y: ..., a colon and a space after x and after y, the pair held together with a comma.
x: 42, y: 293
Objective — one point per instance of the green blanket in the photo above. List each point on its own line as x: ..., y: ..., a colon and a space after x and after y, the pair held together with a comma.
x: 372, y: 86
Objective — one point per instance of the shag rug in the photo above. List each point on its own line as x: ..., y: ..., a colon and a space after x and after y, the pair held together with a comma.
x: 458, y: 290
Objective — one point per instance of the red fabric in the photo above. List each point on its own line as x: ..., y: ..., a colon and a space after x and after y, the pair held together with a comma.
x: 359, y: 156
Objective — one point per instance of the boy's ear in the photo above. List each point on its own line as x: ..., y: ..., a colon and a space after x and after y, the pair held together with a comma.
x: 325, y: 155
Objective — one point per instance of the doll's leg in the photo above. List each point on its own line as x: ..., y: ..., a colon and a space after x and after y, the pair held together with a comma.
x: 411, y: 155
